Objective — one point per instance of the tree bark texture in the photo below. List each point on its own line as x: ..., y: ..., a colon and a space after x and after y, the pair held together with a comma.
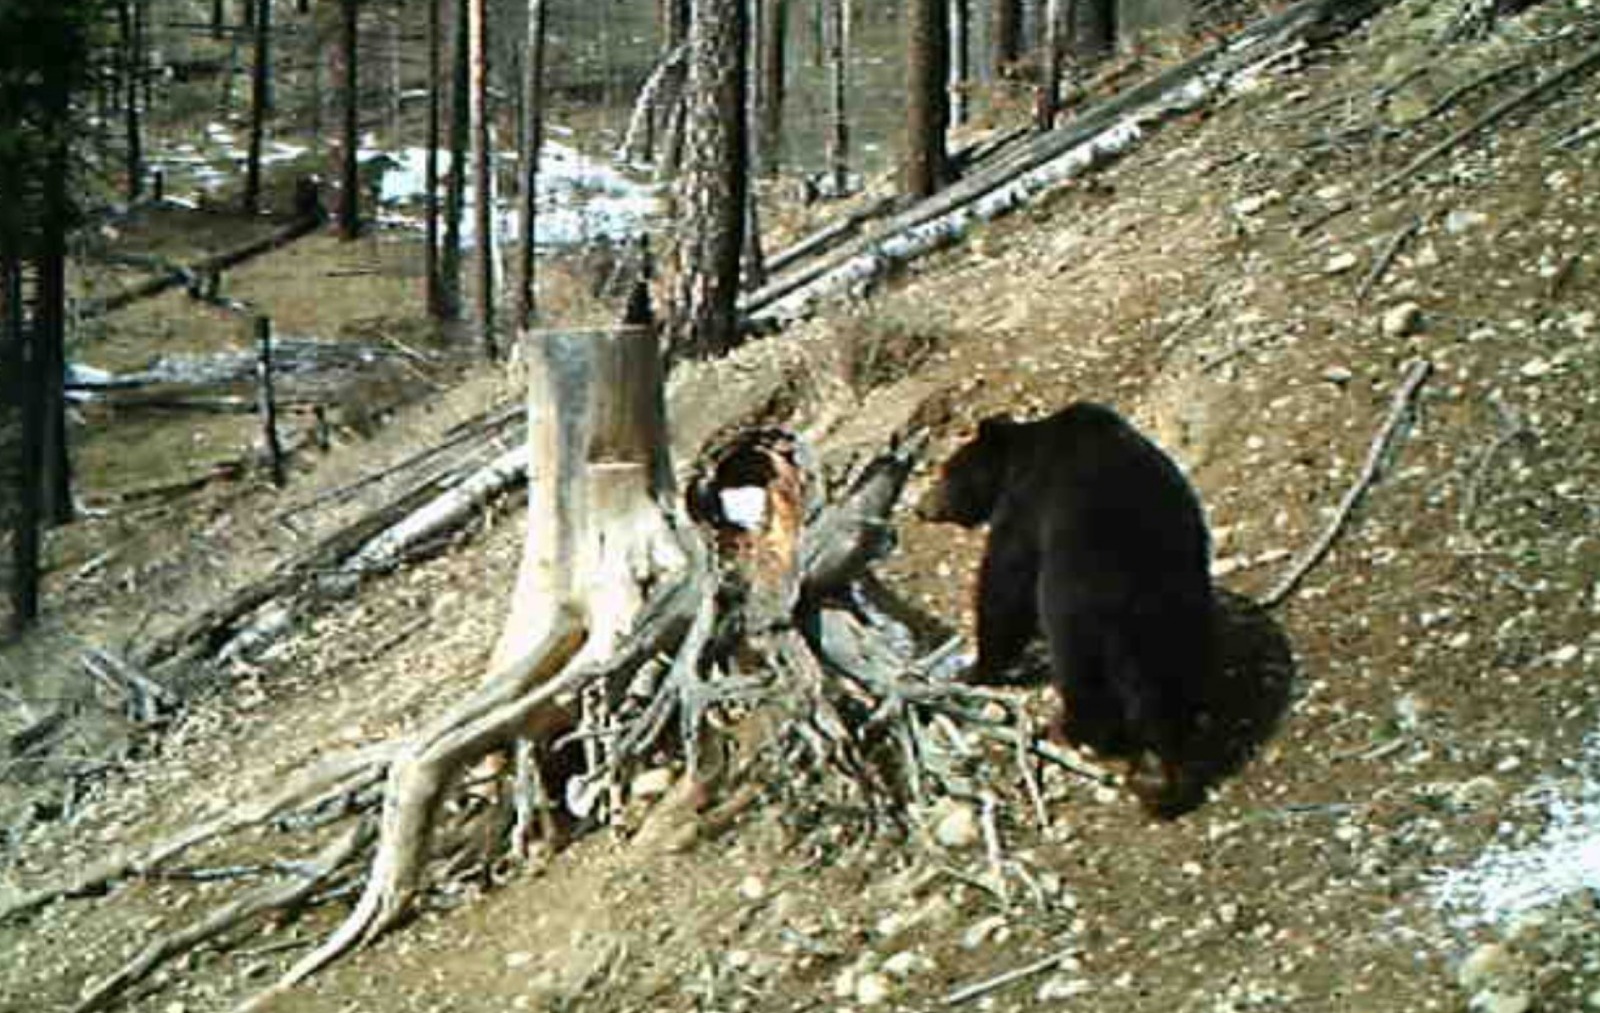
x: 349, y: 202
x: 433, y: 289
x: 836, y: 27
x: 1007, y: 36
x: 455, y: 195
x: 714, y: 187
x: 483, y: 165
x: 532, y: 139
x: 260, y: 83
x: 1055, y: 42
x: 774, y: 35
x: 21, y: 389
x: 1094, y: 29
x: 960, y: 61
x: 927, y: 100
x: 132, y: 61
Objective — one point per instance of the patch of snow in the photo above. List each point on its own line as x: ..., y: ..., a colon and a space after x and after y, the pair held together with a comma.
x: 1505, y: 881
x: 745, y: 506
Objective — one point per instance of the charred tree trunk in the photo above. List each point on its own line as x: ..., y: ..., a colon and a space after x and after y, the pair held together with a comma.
x: 1094, y: 29
x: 960, y: 15
x: 1007, y: 37
x: 714, y: 188
x: 774, y: 36
x: 350, y: 170
x: 836, y: 19
x: 218, y: 19
x: 132, y: 61
x: 483, y: 185
x: 927, y: 100
x: 260, y: 101
x: 1055, y: 39
x: 433, y: 289
x: 456, y: 188
x: 21, y: 386
x: 532, y: 139
x: 50, y: 315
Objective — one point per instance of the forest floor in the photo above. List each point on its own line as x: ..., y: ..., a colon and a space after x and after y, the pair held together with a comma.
x: 1421, y: 833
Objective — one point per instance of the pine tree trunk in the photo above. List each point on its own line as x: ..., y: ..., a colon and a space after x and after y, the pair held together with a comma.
x: 713, y: 190
x: 260, y: 78
x: 1094, y: 29
x: 456, y: 187
x: 837, y: 29
x: 532, y: 138
x: 132, y: 61
x: 50, y: 325
x: 433, y: 289
x: 20, y: 375
x: 1007, y: 36
x: 774, y: 34
x: 349, y: 204
x: 218, y: 19
x: 927, y: 100
x: 960, y: 60
x: 483, y: 184
x: 1055, y: 40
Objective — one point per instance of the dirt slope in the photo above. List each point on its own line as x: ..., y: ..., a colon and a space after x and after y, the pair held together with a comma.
x: 1434, y: 785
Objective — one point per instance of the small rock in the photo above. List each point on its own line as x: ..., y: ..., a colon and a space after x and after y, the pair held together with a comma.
x: 906, y: 963
x: 1462, y: 220
x: 844, y: 986
x: 1402, y: 320
x: 981, y: 931
x: 873, y: 990
x: 521, y: 958
x: 1061, y: 987
x: 958, y: 827
x: 1338, y: 375
x: 1495, y: 1001
x: 1339, y: 263
x: 1485, y: 965
x: 652, y: 783
x: 752, y: 888
x: 1535, y: 368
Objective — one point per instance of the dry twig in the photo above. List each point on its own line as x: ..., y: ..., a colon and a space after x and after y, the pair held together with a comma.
x: 1398, y: 408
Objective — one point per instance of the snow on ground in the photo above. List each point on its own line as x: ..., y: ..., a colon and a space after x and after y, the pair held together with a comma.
x: 1508, y: 880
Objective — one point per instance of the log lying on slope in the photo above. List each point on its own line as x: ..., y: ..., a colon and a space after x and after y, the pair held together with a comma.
x: 1101, y: 133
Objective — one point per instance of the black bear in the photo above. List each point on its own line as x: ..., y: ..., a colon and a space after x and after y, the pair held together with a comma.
x: 1097, y: 541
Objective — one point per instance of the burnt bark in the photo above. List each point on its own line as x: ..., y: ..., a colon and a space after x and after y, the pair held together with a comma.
x: 1007, y: 36
x: 532, y: 138
x: 927, y: 100
x: 349, y: 200
x: 430, y: 252
x: 774, y: 35
x: 456, y: 188
x: 483, y: 184
x: 714, y: 187
x: 260, y: 102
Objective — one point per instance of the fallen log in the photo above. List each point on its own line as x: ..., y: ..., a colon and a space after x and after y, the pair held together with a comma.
x: 1102, y: 131
x: 192, y: 277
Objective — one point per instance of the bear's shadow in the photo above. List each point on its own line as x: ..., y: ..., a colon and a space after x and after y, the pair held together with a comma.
x: 1247, y: 691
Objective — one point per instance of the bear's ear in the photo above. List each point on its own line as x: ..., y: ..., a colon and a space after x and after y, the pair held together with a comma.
x: 995, y: 427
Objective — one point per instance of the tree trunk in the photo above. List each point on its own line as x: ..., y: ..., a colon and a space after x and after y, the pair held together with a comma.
x: 50, y: 317
x: 837, y: 29
x: 483, y: 185
x: 960, y: 61
x: 22, y: 388
x: 1094, y: 29
x: 1007, y: 37
x: 350, y: 170
x: 218, y: 19
x: 1055, y: 33
x: 260, y: 80
x: 927, y: 100
x: 774, y: 34
x: 456, y: 188
x: 132, y: 61
x: 715, y: 186
x: 430, y: 202
x: 532, y: 138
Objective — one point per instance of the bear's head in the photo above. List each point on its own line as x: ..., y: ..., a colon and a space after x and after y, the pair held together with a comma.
x: 971, y: 481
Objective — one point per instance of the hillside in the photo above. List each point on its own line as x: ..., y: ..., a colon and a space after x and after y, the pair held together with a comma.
x: 1421, y: 830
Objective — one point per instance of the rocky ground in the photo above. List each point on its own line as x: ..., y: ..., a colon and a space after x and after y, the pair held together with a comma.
x: 1421, y: 831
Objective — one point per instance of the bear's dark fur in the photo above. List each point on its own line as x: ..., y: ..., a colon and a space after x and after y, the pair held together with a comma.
x: 1097, y: 541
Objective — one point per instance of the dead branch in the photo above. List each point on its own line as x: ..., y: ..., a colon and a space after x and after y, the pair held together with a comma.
x: 967, y: 993
x: 1460, y: 91
x: 1391, y: 250
x: 268, y: 898
x: 1579, y: 137
x: 1512, y: 427
x: 1398, y: 409
x: 1582, y: 63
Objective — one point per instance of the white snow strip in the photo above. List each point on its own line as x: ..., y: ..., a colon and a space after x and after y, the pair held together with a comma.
x: 1506, y: 881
